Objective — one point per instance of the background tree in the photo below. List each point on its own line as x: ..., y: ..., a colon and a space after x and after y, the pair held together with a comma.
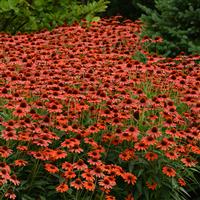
x: 177, y: 22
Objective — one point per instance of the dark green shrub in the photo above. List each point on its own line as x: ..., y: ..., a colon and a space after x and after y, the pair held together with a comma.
x: 177, y: 22
x: 127, y: 8
x: 33, y: 15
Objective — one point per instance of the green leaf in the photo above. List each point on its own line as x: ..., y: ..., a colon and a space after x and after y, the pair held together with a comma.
x: 95, y: 19
x: 4, y: 5
x: 13, y: 3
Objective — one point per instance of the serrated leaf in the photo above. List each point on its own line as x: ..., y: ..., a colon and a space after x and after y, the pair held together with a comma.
x: 4, y: 5
x: 95, y: 19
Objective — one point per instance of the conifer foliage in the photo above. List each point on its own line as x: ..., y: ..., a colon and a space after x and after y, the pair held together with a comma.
x: 177, y: 22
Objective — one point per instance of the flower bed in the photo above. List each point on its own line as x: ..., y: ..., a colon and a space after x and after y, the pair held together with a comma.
x: 83, y: 118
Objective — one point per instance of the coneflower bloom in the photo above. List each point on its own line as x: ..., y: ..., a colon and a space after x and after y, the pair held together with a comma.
x: 151, y: 185
x: 18, y: 112
x: 38, y: 155
x: 129, y: 178
x: 149, y: 140
x: 109, y: 197
x: 189, y: 162
x: 154, y: 132
x: 172, y: 155
x: 67, y: 166
x: 51, y: 168
x: 80, y: 165
x: 75, y: 149
x: 125, y: 156
x: 59, y: 154
x: 77, y: 184
x: 23, y: 106
x: 94, y: 161
x: 98, y: 171
x: 169, y: 171
x: 150, y: 156
x: 20, y: 163
x: 10, y: 194
x: 4, y: 174
x: 14, y: 180
x: 163, y: 144
x: 140, y: 146
x: 88, y: 185
x: 88, y: 176
x: 69, y: 174
x: 181, y: 182
x: 63, y: 187
x: 106, y: 183
x: 94, y: 154
x: 9, y: 134
x: 22, y: 148
x: 5, y: 151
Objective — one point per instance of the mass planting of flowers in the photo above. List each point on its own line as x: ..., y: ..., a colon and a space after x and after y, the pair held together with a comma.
x: 82, y: 118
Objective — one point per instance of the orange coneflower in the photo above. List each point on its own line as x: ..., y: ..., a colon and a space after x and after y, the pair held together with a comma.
x: 172, y: 155
x: 149, y: 140
x: 69, y: 143
x: 140, y: 146
x: 94, y: 161
x: 189, y: 162
x: 151, y: 185
x: 38, y: 155
x: 9, y: 134
x: 63, y: 187
x: 88, y: 185
x: 19, y: 113
x: 150, y: 156
x: 76, y: 149
x: 87, y: 175
x: 20, y: 163
x: 154, y: 132
x: 14, y: 180
x: 5, y: 151
x: 94, y: 154
x: 107, y: 183
x: 51, y: 168
x: 77, y: 184
x: 22, y: 148
x: 59, y: 154
x: 24, y: 106
x: 125, y: 156
x: 69, y: 174
x: 10, y: 195
x: 129, y: 178
x: 169, y: 171
x: 80, y: 165
x: 41, y: 142
x: 110, y: 197
x: 91, y: 142
x: 181, y: 182
x: 163, y: 144
x: 67, y: 166
x: 4, y: 174
x: 98, y: 171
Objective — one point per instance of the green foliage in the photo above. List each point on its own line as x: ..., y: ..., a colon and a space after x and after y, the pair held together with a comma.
x: 27, y: 16
x: 177, y: 22
x: 128, y: 8
x: 139, y: 57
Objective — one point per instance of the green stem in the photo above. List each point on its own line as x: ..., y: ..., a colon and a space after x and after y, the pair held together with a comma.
x: 34, y: 173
